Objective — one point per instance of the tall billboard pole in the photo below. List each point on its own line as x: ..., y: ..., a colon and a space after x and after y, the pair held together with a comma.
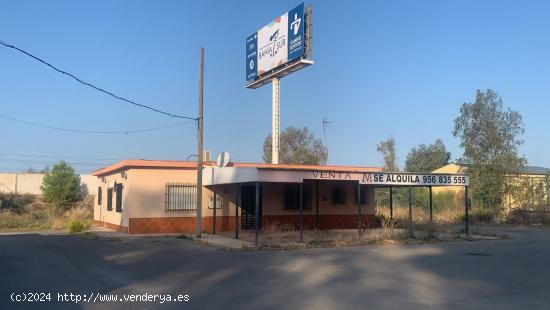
x: 275, y: 123
x: 198, y: 220
x: 274, y: 51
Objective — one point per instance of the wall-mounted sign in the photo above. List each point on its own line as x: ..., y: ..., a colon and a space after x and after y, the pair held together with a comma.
x: 276, y: 44
x: 381, y: 178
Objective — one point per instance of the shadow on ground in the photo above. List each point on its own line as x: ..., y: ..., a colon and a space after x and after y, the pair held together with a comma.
x: 482, y: 274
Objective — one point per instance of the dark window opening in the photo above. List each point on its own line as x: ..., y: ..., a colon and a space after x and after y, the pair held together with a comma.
x: 338, y: 195
x: 181, y: 197
x: 119, y: 197
x: 110, y: 199
x: 99, y: 196
x: 291, y: 197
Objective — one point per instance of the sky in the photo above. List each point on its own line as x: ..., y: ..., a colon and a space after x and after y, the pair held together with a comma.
x: 382, y: 69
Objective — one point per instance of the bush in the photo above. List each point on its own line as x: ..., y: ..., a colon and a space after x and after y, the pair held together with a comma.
x: 60, y: 187
x: 14, y: 202
x: 382, y: 221
x: 78, y: 219
x: 527, y: 217
x: 76, y: 226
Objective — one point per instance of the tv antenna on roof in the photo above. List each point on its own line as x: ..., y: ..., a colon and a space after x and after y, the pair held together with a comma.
x: 326, y: 122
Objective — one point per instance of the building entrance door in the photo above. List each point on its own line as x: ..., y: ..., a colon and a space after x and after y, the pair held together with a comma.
x: 248, y: 207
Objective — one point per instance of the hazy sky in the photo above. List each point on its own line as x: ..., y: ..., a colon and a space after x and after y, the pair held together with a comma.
x: 382, y: 68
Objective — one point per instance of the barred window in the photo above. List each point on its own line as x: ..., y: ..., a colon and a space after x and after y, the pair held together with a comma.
x: 338, y: 195
x: 181, y: 197
x: 291, y: 197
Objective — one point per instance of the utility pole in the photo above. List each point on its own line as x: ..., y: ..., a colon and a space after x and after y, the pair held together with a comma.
x: 198, y: 220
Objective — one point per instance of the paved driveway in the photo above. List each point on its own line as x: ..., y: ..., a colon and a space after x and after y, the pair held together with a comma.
x: 498, y: 274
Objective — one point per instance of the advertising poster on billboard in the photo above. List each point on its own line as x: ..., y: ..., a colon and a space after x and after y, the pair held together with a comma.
x: 275, y: 44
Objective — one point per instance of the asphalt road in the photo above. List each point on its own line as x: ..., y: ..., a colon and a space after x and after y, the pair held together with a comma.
x: 497, y: 274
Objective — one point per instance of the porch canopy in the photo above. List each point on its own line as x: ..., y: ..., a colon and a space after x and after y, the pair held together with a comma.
x: 238, y: 173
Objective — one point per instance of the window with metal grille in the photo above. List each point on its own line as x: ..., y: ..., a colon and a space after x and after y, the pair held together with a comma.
x: 338, y: 195
x: 118, y: 193
x: 181, y: 197
x: 110, y: 199
x: 291, y: 197
x: 99, y: 196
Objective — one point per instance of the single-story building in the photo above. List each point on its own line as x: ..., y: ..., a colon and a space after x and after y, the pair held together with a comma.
x: 155, y: 196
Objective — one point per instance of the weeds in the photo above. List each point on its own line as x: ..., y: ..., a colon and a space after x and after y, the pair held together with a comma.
x: 28, y: 212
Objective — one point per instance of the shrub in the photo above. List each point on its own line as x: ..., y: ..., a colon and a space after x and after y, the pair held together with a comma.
x: 382, y: 221
x: 75, y: 226
x: 526, y: 217
x: 79, y: 219
x: 60, y: 187
x: 14, y: 202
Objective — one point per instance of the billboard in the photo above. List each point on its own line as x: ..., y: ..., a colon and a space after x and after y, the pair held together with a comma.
x: 276, y: 44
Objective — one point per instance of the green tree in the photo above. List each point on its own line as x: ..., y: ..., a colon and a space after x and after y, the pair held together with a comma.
x: 60, y: 187
x: 297, y: 146
x: 387, y: 149
x: 427, y: 158
x: 490, y: 136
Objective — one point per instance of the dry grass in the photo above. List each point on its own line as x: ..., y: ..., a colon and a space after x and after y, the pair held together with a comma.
x: 443, y: 217
x: 276, y: 236
x: 35, y: 214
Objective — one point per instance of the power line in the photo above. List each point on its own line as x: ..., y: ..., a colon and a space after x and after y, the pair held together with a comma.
x: 95, y: 87
x: 59, y: 156
x: 92, y: 131
x: 16, y: 161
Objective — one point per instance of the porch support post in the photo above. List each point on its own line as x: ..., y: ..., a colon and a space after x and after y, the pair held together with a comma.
x: 214, y: 213
x: 359, y: 222
x: 467, y: 219
x: 391, y: 202
x: 317, y: 204
x: 410, y: 213
x: 257, y: 213
x: 431, y: 206
x: 237, y: 205
x: 301, y: 213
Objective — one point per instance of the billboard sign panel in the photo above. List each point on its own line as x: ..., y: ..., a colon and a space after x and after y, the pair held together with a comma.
x: 275, y: 44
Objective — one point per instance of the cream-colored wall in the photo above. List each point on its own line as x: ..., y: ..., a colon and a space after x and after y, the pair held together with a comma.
x: 100, y: 212
x: 7, y: 182
x: 148, y: 189
x: 29, y: 183
x: 144, y: 195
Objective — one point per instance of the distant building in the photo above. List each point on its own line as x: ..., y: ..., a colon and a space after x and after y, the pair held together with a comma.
x: 533, y: 186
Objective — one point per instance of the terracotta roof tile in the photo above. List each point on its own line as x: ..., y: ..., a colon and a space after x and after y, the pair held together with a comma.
x: 173, y: 164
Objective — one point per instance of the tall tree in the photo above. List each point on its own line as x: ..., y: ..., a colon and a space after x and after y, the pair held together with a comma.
x: 297, y: 146
x: 60, y: 187
x: 387, y: 149
x: 426, y: 158
x: 490, y: 136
